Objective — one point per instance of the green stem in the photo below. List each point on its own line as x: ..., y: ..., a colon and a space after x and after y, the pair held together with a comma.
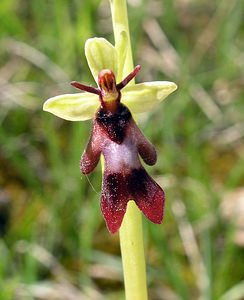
x: 132, y: 251
x: 120, y: 24
x: 131, y: 236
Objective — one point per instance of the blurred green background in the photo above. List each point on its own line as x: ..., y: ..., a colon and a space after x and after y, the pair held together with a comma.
x: 53, y: 240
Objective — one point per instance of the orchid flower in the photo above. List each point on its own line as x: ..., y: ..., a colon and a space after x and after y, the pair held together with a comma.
x: 115, y: 133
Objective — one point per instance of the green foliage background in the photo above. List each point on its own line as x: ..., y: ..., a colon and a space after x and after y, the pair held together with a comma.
x: 54, y: 244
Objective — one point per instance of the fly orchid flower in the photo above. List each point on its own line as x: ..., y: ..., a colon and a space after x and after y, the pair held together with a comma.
x: 115, y: 133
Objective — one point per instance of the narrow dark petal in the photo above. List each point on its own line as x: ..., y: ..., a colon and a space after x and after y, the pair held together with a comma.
x: 114, y: 200
x: 128, y: 78
x: 86, y: 88
x: 147, y: 194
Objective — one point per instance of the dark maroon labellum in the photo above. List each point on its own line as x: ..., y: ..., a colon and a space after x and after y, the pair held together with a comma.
x: 119, y: 188
x: 117, y: 137
x: 114, y: 124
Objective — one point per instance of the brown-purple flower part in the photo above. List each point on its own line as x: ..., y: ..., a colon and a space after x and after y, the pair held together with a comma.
x: 116, y: 136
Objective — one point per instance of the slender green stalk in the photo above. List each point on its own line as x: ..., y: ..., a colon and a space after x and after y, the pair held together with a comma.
x: 131, y: 236
x: 132, y: 251
x: 120, y: 24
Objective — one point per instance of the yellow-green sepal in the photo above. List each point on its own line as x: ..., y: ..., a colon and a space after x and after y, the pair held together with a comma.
x: 73, y: 107
x: 100, y: 55
x: 144, y: 96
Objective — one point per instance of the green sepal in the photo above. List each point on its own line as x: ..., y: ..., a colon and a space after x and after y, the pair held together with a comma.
x: 73, y: 107
x: 143, y: 97
x: 100, y: 55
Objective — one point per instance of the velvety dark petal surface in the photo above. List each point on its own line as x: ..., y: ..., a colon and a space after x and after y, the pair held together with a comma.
x: 118, y: 138
x: 119, y: 188
x: 91, y: 155
x: 88, y: 163
x: 114, y: 124
x: 147, y: 194
x: 114, y: 200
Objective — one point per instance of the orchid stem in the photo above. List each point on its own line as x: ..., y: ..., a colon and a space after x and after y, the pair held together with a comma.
x: 131, y: 235
x: 121, y: 24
